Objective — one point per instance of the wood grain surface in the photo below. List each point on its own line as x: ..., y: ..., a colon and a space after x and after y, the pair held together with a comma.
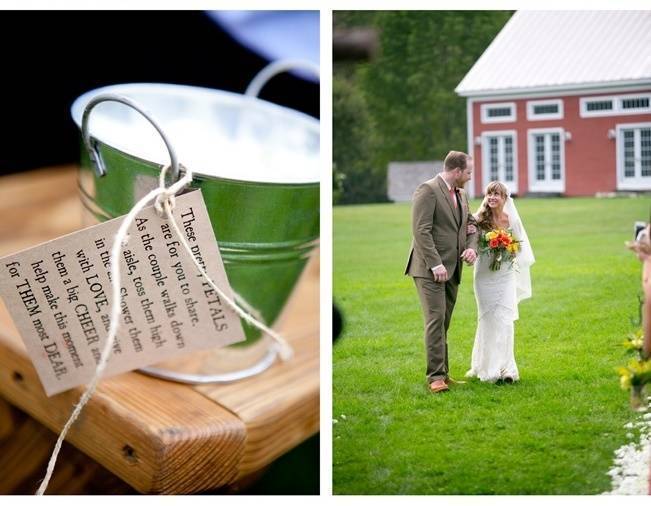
x: 29, y: 443
x: 157, y: 436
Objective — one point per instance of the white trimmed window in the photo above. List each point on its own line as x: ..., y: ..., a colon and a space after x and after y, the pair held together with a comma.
x: 617, y: 105
x: 634, y: 156
x: 500, y: 159
x: 546, y: 147
x: 498, y: 113
x: 544, y: 109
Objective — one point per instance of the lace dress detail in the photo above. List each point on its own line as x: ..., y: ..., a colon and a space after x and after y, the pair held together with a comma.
x: 497, y: 308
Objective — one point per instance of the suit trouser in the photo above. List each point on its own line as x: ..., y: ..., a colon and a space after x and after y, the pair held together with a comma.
x: 437, y: 302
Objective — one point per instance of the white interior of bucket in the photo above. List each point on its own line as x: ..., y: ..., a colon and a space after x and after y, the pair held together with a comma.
x: 214, y: 132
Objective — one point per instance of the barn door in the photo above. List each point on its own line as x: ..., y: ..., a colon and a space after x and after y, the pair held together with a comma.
x: 634, y: 156
x: 499, y: 159
x: 546, y: 148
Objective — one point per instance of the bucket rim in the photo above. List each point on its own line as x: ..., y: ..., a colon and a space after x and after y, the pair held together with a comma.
x: 200, y: 176
x: 310, y: 123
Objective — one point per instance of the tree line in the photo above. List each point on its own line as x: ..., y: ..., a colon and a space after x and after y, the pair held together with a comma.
x: 401, y: 104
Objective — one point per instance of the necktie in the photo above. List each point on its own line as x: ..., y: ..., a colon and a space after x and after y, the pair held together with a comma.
x: 453, y: 196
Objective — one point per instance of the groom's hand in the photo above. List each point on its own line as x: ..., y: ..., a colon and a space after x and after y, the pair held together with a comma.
x: 440, y: 273
x: 469, y: 255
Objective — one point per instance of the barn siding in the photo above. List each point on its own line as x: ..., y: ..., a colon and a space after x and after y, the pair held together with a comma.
x: 590, y: 155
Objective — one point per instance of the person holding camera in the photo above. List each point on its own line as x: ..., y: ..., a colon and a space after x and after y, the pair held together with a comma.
x: 642, y: 247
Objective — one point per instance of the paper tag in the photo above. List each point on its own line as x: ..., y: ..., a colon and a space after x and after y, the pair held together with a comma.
x: 59, y: 295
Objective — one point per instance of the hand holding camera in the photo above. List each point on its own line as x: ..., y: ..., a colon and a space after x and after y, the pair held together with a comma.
x: 642, y: 243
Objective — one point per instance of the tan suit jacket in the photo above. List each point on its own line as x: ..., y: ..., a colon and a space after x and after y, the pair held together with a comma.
x: 439, y: 230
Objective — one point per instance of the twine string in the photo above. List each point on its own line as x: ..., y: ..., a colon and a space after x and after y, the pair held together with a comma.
x: 164, y: 203
x: 116, y: 249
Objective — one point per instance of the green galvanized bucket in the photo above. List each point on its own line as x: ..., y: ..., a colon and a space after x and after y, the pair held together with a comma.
x: 257, y: 165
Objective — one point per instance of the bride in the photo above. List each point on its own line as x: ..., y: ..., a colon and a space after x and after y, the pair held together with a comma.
x: 498, y: 292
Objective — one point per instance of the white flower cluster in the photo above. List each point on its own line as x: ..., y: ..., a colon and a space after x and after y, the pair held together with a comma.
x: 632, y: 463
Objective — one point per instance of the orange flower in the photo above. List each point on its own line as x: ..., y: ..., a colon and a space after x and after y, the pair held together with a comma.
x: 494, y: 243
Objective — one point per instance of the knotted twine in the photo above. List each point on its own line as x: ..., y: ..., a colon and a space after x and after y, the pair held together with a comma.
x: 164, y: 205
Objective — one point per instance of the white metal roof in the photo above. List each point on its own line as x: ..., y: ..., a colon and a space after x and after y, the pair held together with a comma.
x: 564, y: 50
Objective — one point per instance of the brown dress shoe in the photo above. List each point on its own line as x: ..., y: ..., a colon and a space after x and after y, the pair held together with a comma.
x: 437, y: 386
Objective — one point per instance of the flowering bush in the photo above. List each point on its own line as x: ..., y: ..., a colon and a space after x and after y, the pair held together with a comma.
x: 637, y: 373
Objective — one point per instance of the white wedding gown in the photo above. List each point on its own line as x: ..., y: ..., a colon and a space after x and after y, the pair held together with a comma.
x: 497, y: 294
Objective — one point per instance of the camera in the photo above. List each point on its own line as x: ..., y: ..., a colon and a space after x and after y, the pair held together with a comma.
x: 639, y: 231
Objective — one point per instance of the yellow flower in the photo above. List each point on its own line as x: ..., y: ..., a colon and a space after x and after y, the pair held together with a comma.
x: 491, y: 235
x: 634, y: 342
x: 625, y: 382
x: 625, y: 377
x: 637, y: 366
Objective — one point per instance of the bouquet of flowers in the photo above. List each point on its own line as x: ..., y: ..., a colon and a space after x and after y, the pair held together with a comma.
x: 499, y: 245
x: 637, y: 372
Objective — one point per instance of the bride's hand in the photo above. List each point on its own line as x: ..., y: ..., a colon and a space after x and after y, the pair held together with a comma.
x: 471, y: 229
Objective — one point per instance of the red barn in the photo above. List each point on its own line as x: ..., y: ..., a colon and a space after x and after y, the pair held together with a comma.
x: 560, y: 103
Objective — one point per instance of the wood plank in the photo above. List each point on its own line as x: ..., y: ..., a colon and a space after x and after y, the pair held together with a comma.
x: 155, y: 435
x: 30, y: 446
x: 74, y: 473
x: 263, y: 401
x: 7, y: 423
x: 37, y: 206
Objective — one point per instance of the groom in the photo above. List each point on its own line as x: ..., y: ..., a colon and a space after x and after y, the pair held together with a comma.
x: 440, y: 216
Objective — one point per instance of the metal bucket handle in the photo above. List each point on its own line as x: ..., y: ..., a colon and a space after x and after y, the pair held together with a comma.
x: 278, y: 67
x: 92, y: 145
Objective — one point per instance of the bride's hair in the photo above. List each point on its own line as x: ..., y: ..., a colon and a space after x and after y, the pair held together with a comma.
x: 484, y: 213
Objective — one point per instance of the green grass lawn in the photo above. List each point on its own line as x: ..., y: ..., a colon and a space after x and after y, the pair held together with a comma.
x: 552, y: 433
